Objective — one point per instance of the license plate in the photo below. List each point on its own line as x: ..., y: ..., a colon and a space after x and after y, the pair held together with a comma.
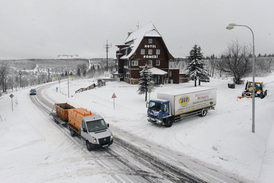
x: 105, y: 145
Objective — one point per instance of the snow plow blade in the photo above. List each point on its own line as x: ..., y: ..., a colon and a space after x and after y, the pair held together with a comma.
x: 240, y: 97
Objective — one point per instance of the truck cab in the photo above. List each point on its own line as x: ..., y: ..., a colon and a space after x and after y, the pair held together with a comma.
x: 158, y: 111
x: 95, y: 132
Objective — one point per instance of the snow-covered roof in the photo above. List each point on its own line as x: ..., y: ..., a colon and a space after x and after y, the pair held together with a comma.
x: 156, y: 71
x: 135, y: 38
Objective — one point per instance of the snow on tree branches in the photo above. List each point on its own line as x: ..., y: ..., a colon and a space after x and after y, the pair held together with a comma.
x: 145, y: 82
x: 196, y: 65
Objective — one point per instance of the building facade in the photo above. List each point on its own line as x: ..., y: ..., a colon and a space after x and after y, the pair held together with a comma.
x: 144, y: 46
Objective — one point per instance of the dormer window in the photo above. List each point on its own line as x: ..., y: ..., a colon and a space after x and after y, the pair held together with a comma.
x: 150, y: 41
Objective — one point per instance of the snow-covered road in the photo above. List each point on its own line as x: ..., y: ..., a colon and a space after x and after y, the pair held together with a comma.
x: 35, y: 149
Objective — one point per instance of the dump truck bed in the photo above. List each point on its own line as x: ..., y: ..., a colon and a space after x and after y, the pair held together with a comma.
x: 62, y: 110
x: 75, y: 117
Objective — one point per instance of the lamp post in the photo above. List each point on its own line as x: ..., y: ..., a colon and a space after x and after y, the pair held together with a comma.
x: 230, y: 27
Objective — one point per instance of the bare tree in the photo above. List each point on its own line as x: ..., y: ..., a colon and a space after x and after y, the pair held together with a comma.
x: 4, y: 70
x: 82, y: 68
x: 236, y: 61
x: 212, y: 64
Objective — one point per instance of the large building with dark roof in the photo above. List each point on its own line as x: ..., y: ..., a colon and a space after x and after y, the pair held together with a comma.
x: 144, y: 46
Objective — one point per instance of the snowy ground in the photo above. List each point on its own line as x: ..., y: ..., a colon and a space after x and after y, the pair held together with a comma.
x: 223, y: 138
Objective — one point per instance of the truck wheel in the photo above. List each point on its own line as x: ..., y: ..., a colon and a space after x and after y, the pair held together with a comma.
x: 72, y: 133
x: 204, y: 112
x: 169, y: 122
x: 88, y: 146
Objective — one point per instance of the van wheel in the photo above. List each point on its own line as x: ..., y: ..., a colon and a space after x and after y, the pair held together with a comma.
x: 169, y: 122
x: 72, y: 133
x: 204, y: 112
x: 88, y: 146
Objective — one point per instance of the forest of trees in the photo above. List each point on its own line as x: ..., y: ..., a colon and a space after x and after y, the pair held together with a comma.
x: 20, y: 74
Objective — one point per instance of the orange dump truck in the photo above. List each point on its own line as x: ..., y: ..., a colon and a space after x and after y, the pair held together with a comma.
x: 91, y: 128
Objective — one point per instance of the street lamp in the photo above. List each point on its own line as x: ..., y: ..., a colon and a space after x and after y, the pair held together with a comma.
x: 230, y: 27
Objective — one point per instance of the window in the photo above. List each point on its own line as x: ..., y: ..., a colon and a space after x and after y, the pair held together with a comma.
x: 83, y: 125
x: 134, y: 63
x: 96, y: 125
x: 165, y: 106
x: 150, y: 51
x: 154, y: 106
x: 143, y: 51
x: 150, y: 41
x: 157, y: 62
x: 157, y: 51
x: 149, y: 62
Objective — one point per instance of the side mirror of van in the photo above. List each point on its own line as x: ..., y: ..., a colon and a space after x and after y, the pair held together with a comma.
x: 84, y: 129
x: 108, y: 124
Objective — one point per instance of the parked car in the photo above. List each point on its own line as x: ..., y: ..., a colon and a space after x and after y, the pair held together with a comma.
x: 33, y: 92
x: 205, y: 80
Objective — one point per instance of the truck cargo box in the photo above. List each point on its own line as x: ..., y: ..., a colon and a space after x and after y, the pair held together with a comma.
x: 189, y: 99
x: 62, y: 110
x: 75, y: 116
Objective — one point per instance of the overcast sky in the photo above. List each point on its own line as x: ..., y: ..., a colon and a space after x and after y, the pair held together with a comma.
x: 48, y: 28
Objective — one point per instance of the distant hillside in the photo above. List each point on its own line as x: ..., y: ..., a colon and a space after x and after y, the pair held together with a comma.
x: 54, y: 65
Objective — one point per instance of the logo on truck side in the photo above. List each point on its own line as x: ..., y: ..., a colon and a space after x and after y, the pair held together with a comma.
x: 184, y: 100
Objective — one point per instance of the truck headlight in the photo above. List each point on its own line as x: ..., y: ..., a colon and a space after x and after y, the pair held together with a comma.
x: 111, y: 136
x: 159, y: 121
x: 94, y: 140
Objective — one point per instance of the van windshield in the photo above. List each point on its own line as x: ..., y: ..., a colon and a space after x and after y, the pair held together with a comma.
x: 155, y: 106
x: 96, y: 125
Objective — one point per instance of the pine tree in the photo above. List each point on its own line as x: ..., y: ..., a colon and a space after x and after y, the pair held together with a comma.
x: 196, y: 65
x: 145, y: 82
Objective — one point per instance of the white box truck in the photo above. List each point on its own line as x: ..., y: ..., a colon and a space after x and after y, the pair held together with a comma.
x: 173, y: 106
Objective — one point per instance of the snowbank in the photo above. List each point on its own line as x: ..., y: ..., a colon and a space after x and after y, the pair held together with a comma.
x: 222, y: 138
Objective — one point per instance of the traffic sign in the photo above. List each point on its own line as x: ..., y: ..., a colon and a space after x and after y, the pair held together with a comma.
x: 114, y: 96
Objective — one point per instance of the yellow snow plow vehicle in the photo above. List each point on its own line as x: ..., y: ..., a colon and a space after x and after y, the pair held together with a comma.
x: 258, y: 90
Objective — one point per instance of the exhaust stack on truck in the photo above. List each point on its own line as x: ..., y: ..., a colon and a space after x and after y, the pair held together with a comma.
x: 173, y: 106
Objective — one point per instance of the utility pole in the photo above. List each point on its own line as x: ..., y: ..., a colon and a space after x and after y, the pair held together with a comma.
x: 107, y: 46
